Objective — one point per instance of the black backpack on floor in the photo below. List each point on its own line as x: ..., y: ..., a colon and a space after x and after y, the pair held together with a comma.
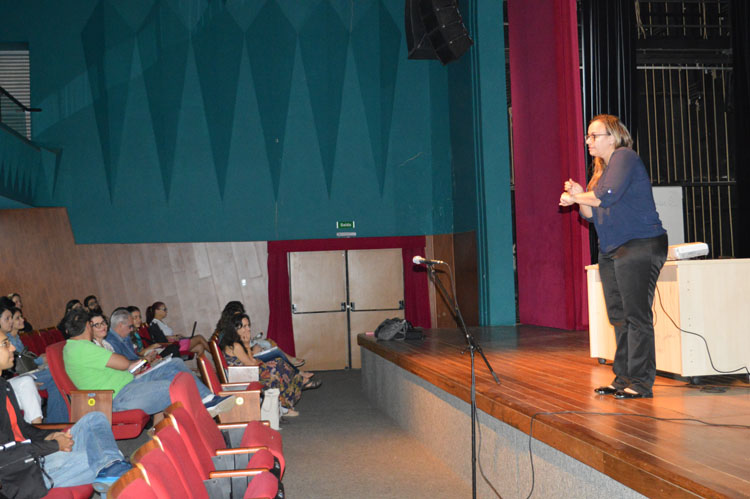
x: 397, y: 329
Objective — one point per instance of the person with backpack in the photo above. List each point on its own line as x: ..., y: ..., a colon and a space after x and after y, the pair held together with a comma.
x: 33, y: 460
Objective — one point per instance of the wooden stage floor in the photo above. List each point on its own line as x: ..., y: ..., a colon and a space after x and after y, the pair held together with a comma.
x: 549, y: 370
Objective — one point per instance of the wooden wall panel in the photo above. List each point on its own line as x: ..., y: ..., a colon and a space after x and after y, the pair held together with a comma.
x: 440, y: 247
x: 460, y: 252
x: 252, y: 265
x: 40, y: 260
x: 467, y: 283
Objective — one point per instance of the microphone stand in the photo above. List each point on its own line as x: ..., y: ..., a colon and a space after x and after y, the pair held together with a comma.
x: 473, y: 346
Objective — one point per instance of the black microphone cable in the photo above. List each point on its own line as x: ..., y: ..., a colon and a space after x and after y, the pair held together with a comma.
x: 708, y: 351
x: 636, y: 415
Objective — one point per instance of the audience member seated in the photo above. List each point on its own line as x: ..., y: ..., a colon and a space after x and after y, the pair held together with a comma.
x: 100, y: 329
x: 257, y: 343
x: 19, y: 305
x: 87, y: 453
x: 91, y: 367
x: 38, y: 379
x: 235, y: 308
x: 138, y: 341
x: 119, y: 336
x: 28, y: 396
x: 231, y: 309
x: 273, y: 374
x: 278, y: 354
x: 155, y: 315
x: 91, y: 303
x: 68, y: 307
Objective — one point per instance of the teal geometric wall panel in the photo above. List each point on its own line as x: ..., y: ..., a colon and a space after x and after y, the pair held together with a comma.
x: 28, y: 171
x: 271, y: 45
x: 191, y: 12
x: 202, y: 120
x: 108, y: 46
x: 218, y: 49
x: 163, y: 42
x: 324, y: 43
x: 243, y: 12
x: 376, y: 42
x: 18, y: 161
x: 50, y: 163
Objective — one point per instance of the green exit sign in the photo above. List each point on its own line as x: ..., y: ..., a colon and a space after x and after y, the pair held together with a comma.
x: 345, y: 224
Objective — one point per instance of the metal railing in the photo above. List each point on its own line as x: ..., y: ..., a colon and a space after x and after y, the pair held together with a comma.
x: 15, y: 115
x: 683, y: 137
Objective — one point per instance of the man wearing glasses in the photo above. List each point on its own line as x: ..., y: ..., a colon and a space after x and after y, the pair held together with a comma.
x: 120, y: 329
x: 91, y: 367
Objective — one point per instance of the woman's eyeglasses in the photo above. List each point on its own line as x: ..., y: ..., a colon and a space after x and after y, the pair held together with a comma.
x: 594, y: 136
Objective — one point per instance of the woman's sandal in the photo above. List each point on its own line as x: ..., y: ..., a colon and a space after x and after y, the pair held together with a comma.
x: 312, y: 384
x: 298, y: 362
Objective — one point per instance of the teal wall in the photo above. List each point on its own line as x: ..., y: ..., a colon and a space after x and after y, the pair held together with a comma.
x: 256, y: 120
x: 480, y: 158
x: 190, y: 120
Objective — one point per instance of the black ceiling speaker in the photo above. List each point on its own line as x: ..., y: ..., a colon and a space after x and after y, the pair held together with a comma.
x: 417, y: 41
x: 435, y: 30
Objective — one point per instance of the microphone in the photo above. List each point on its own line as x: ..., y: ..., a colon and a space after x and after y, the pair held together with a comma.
x: 418, y: 260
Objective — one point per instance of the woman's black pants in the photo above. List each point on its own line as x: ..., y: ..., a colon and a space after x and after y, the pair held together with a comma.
x: 629, y: 275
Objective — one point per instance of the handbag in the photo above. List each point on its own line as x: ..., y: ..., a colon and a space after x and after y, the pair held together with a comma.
x: 21, y: 473
x: 24, y: 361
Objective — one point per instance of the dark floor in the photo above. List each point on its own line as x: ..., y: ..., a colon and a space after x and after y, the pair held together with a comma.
x: 341, y: 446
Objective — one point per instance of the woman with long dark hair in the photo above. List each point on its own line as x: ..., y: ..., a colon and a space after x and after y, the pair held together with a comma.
x: 273, y: 374
x: 68, y: 307
x: 619, y: 201
x: 257, y: 343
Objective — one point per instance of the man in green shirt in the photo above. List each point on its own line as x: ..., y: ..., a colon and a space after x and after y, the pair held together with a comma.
x: 92, y: 367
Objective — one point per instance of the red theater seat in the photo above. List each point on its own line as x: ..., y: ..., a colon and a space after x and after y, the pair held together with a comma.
x: 250, y: 434
x: 133, y: 484
x: 125, y: 424
x: 79, y: 492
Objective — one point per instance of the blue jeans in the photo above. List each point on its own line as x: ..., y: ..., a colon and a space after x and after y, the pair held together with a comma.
x: 150, y: 392
x: 57, y: 410
x: 94, y: 448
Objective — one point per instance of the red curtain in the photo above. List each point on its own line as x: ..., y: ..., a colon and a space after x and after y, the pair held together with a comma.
x: 416, y: 297
x: 548, y: 148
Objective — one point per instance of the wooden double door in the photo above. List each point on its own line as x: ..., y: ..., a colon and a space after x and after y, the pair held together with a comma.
x: 337, y: 295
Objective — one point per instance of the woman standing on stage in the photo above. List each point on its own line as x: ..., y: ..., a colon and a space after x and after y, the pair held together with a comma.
x: 632, y: 249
